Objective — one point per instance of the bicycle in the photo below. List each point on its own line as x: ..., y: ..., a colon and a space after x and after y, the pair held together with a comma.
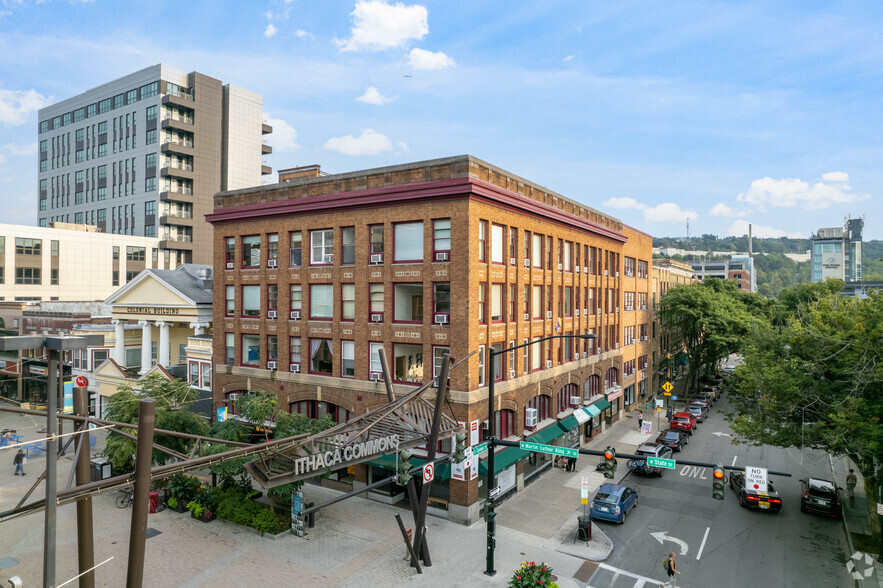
x: 126, y: 499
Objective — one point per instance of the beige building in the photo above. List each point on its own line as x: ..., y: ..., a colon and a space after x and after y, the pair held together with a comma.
x: 71, y: 263
x: 667, y: 273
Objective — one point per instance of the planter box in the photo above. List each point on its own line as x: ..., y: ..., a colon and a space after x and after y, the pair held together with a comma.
x: 180, y: 507
x: 203, y: 518
x: 256, y: 495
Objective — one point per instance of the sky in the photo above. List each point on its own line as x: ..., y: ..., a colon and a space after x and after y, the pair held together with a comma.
x: 723, y: 114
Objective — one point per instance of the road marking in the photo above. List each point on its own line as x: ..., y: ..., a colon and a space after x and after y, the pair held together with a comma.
x: 701, y: 547
x: 663, y: 536
x: 721, y: 434
x: 734, y: 459
x: 640, y: 580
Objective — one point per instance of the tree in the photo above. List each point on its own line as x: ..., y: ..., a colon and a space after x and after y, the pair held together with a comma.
x: 171, y: 399
x: 258, y: 408
x: 815, y: 381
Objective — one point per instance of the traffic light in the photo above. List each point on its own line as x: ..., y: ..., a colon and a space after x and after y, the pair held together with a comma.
x: 459, y: 447
x: 608, y: 462
x: 717, y: 482
x: 404, y: 467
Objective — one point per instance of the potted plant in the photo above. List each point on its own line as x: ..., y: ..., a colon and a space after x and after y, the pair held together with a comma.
x: 183, y: 489
x: 532, y: 575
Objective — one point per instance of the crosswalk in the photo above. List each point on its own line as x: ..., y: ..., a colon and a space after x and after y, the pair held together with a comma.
x: 607, y: 576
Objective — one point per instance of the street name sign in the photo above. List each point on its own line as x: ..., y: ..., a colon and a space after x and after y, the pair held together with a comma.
x: 479, y: 449
x: 551, y: 449
x: 658, y: 462
x: 755, y: 478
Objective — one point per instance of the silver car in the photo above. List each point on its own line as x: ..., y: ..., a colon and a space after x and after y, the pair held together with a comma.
x: 699, y: 411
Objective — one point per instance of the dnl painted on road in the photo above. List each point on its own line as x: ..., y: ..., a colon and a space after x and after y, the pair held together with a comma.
x: 552, y: 449
x: 658, y: 462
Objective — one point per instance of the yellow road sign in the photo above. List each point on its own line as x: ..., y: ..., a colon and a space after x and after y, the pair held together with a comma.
x: 666, y: 393
x: 667, y: 386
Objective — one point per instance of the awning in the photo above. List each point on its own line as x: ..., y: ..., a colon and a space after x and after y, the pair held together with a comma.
x: 388, y: 462
x: 503, y: 460
x: 597, y: 408
x: 568, y: 423
x: 580, y: 415
x: 544, y: 436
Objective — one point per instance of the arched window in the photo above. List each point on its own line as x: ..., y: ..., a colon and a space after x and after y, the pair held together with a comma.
x: 564, y: 396
x: 541, y: 402
x: 316, y: 409
x: 592, y: 387
x: 611, y: 378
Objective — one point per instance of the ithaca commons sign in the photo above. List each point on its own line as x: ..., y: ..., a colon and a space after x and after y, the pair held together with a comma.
x: 342, y: 456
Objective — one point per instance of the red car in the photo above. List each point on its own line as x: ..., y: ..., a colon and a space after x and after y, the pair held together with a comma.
x: 684, y: 421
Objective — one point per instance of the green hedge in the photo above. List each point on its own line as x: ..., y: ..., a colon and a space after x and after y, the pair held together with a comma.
x: 234, y: 506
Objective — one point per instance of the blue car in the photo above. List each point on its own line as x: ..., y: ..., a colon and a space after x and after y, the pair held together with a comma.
x: 613, y: 502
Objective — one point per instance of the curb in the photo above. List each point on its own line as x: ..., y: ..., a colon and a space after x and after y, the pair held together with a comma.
x: 842, y: 514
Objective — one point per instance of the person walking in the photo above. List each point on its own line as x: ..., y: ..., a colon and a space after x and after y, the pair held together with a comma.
x: 669, y: 565
x: 640, y: 419
x: 851, y: 481
x: 18, y: 461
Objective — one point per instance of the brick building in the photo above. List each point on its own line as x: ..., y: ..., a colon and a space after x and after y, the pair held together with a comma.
x: 314, y: 274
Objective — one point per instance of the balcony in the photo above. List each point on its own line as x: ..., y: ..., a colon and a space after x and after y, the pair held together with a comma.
x: 177, y: 218
x: 266, y: 170
x: 179, y: 99
x: 266, y: 129
x: 182, y: 147
x: 176, y: 242
x: 178, y: 171
x: 266, y: 149
x: 184, y: 123
x: 182, y: 195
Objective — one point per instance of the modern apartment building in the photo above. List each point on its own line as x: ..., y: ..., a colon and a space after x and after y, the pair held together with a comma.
x: 837, y: 252
x: 738, y: 268
x: 72, y: 263
x: 317, y: 273
x: 144, y: 154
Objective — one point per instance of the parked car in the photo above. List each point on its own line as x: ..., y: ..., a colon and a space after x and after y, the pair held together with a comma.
x: 647, y: 450
x: 707, y: 396
x: 613, y: 502
x: 684, y: 421
x: 750, y: 498
x: 820, y: 496
x: 703, y: 400
x: 699, y: 411
x: 674, y: 438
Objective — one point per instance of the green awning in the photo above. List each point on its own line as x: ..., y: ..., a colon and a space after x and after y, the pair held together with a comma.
x: 388, y: 462
x: 567, y: 424
x: 503, y: 460
x: 597, y: 408
x: 548, y: 434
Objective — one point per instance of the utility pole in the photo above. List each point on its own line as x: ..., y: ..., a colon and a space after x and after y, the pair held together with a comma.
x: 143, y: 461
x: 85, y: 543
x: 51, y: 469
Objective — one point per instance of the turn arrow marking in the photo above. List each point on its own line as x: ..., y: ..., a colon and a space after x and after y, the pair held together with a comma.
x: 721, y: 434
x: 662, y: 536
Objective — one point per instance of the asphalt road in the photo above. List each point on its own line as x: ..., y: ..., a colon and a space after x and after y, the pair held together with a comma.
x: 718, y: 543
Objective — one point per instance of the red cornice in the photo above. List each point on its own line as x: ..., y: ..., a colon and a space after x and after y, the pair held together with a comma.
x: 391, y: 195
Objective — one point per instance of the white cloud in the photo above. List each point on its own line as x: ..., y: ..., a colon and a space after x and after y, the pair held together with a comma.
x: 403, y: 147
x: 373, y: 96
x: 740, y: 228
x: 793, y: 192
x: 16, y: 149
x: 17, y: 105
x: 668, y: 212
x: 427, y: 60
x: 270, y: 31
x: 283, y: 137
x: 378, y: 26
x: 629, y: 203
x: 568, y: 58
x: 302, y: 34
x: 2, y: 159
x: 836, y: 177
x: 369, y: 143
x: 721, y: 209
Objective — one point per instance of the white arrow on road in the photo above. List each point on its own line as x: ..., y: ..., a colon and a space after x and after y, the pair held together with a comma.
x: 662, y: 536
x: 721, y: 434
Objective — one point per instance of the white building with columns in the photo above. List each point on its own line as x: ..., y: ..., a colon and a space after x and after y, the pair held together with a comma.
x: 160, y: 318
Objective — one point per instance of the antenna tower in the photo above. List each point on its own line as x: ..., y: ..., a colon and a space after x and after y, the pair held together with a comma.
x: 688, y: 229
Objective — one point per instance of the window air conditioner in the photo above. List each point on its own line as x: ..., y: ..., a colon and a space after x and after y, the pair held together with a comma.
x: 229, y: 265
x: 585, y: 269
x: 577, y: 312
x: 548, y: 314
x: 295, y: 315
x: 272, y: 262
x: 530, y: 417
x: 233, y: 396
x: 440, y: 319
x: 617, y: 345
x: 376, y: 258
x: 441, y: 256
x: 511, y: 261
x: 576, y: 400
x: 605, y: 272
x: 599, y: 310
x: 272, y: 314
x: 511, y: 374
x: 633, y: 341
x: 527, y: 263
x: 376, y: 377
x: 271, y: 365
x: 576, y: 269
x: 527, y: 316
x: 575, y: 356
x: 377, y: 317
x: 560, y: 266
x: 617, y: 309
x: 548, y: 363
x: 617, y: 274
x: 294, y: 368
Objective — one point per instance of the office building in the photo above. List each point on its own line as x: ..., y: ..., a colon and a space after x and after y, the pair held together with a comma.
x: 837, y: 252
x: 144, y: 154
x: 317, y: 273
x: 738, y: 268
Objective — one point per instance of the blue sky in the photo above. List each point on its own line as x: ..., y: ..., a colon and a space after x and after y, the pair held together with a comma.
x: 723, y: 113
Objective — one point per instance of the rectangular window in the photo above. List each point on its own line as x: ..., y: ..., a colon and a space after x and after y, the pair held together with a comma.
x: 408, y: 242
x: 497, y: 302
x: 151, y: 112
x: 482, y: 303
x: 251, y: 251
x: 481, y: 369
x: 568, y: 301
x: 53, y: 277
x: 294, y: 350
x: 149, y: 185
x: 347, y: 359
x: 568, y: 256
x: 525, y: 357
x: 272, y: 297
x: 53, y: 248
x: 497, y: 364
x: 375, y: 236
x: 348, y: 302
x: 438, y: 357
x: 513, y: 243
x: 273, y: 246
x: 537, y: 303
x: 294, y: 253
x: 497, y: 250
x: 548, y: 298
x: 321, y: 301
x: 136, y: 253
x: 513, y: 301
x: 441, y: 298
x: 376, y: 299
x: 321, y: 356
x: 536, y: 354
x: 441, y: 239
x: 348, y: 245
x: 272, y: 348
x: 548, y: 252
x: 150, y: 208
x: 150, y: 138
x: 537, y: 251
x: 407, y: 362
x: 322, y: 247
x: 296, y: 296
x: 526, y: 304
x: 102, y: 150
x: 642, y: 269
x: 251, y: 301
x: 229, y: 348
x: 251, y: 349
x: 374, y: 355
x: 230, y: 307
x: 28, y: 246
x: 628, y: 266
x: 230, y: 251
x: 482, y: 241
x: 408, y: 302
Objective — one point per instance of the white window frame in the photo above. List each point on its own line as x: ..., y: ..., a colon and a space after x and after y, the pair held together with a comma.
x: 321, y: 246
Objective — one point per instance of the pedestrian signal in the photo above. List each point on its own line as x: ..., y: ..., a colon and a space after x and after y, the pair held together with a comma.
x: 717, y: 482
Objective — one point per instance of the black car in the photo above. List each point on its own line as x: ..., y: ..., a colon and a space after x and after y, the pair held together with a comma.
x: 769, y: 500
x: 820, y: 496
x: 674, y: 438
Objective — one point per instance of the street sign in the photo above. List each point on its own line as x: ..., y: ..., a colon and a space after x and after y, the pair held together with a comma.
x: 81, y: 382
x: 584, y: 490
x: 551, y: 449
x: 659, y: 402
x: 658, y: 462
x: 428, y: 472
x: 494, y: 492
x: 755, y: 478
x: 479, y: 449
x: 666, y: 393
x: 674, y: 397
x: 667, y: 386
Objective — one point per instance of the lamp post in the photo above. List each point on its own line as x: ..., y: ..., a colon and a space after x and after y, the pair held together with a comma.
x: 491, y: 441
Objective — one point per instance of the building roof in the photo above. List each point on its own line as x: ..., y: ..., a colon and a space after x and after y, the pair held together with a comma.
x: 183, y: 280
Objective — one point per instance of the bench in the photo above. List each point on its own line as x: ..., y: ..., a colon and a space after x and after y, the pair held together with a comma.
x: 440, y: 502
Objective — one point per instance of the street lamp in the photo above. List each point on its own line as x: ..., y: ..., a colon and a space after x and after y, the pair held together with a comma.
x: 491, y: 441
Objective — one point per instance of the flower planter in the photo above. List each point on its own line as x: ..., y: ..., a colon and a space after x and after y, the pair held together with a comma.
x: 180, y: 507
x: 204, y: 518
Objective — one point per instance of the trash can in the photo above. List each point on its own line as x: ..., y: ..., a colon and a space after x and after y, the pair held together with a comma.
x: 584, y: 528
x: 154, y: 498
x: 100, y: 469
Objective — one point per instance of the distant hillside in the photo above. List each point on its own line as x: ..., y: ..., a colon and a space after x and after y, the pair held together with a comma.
x: 774, y: 270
